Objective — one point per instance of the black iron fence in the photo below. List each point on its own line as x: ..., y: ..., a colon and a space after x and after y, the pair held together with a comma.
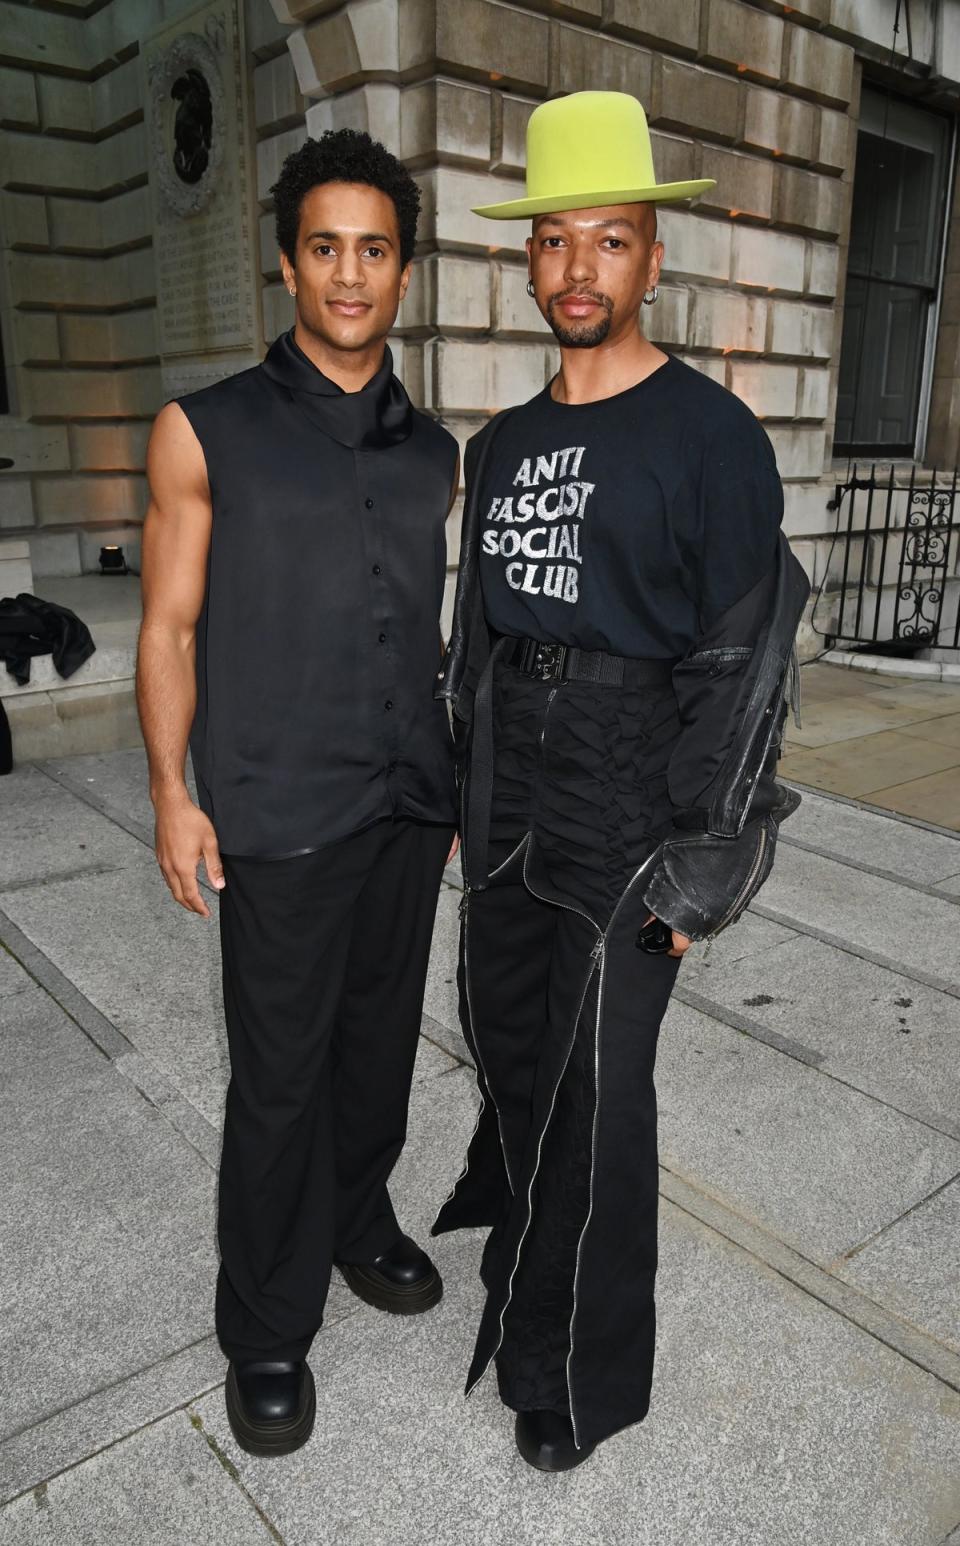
x: 894, y: 574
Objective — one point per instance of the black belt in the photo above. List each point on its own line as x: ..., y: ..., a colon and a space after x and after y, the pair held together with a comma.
x: 564, y: 663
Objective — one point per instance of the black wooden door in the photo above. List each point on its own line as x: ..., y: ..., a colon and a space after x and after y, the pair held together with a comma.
x: 892, y: 275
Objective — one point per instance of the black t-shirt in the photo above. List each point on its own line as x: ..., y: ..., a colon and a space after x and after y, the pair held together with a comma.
x: 629, y: 524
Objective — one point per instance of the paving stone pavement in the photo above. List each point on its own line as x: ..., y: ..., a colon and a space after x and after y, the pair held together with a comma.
x: 882, y: 738
x: 808, y: 1376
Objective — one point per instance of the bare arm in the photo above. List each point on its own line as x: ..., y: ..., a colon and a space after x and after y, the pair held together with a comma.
x: 176, y: 541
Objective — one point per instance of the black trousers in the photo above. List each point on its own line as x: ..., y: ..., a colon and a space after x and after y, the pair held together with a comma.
x: 324, y: 965
x: 564, y: 1014
x: 526, y: 963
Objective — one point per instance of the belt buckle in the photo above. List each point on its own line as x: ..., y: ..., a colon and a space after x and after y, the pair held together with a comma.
x: 548, y: 661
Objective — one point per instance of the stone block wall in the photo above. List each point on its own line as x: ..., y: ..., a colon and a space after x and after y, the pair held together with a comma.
x: 755, y: 98
x: 758, y: 94
x: 943, y: 443
x: 77, y: 272
x: 761, y: 96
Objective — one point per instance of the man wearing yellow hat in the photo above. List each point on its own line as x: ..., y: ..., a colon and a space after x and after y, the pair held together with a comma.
x: 619, y: 661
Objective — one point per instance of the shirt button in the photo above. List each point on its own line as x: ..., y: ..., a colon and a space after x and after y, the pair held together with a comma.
x: 388, y: 704
x: 383, y: 638
x: 376, y: 569
x: 368, y: 503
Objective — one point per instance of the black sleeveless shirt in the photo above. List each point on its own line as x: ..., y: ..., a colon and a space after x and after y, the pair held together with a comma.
x: 319, y: 639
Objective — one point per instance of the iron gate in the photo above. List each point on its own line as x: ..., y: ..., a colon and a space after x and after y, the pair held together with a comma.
x: 898, y: 584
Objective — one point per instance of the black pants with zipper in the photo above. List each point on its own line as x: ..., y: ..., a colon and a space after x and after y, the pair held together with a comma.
x: 526, y: 968
x: 324, y: 966
x: 563, y: 1014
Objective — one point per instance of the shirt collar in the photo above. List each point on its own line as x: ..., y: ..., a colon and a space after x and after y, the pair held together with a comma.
x: 380, y: 414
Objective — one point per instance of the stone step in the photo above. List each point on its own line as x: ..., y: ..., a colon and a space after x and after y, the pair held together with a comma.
x: 16, y: 573
x: 94, y: 710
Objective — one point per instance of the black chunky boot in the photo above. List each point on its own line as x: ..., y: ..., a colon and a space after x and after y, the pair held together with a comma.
x: 403, y: 1280
x: 545, y: 1440
x: 271, y: 1405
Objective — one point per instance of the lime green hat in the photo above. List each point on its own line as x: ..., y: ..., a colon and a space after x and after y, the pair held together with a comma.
x: 586, y: 150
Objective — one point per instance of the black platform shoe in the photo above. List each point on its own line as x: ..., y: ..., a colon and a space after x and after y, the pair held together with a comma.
x: 271, y: 1406
x: 545, y: 1440
x: 403, y: 1280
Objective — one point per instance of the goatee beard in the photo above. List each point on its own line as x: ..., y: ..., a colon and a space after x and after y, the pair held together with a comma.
x: 586, y: 338
x: 581, y: 337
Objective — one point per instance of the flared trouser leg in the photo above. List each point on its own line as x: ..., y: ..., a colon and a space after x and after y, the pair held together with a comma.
x: 523, y: 970
x: 614, y: 1325
x: 506, y: 943
x: 569, y: 1056
x: 324, y: 963
x: 532, y: 1360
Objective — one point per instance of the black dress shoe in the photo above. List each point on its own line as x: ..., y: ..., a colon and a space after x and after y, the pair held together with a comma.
x: 545, y: 1440
x: 403, y: 1280
x: 271, y: 1406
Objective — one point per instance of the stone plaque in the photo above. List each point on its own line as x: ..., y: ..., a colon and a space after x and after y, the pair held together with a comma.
x: 200, y: 177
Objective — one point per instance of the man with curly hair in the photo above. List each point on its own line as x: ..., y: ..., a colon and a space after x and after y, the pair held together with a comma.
x: 293, y: 569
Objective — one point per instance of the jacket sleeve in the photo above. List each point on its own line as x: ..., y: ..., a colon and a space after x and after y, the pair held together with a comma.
x: 468, y: 647
x: 712, y: 685
x: 729, y: 687
x: 456, y: 679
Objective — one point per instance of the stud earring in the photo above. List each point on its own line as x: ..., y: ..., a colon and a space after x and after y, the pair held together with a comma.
x: 650, y: 297
x: 530, y: 287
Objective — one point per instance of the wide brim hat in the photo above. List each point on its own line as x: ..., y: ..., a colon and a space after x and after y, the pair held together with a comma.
x: 587, y: 150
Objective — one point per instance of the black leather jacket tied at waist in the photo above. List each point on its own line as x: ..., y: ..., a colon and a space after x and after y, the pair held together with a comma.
x: 732, y: 692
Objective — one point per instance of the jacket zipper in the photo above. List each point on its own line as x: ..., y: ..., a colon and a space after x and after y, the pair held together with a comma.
x: 593, y: 1138
x: 526, y: 879
x: 552, y: 902
x: 509, y: 859
x: 476, y: 1126
x: 744, y: 889
x: 547, y: 707
x: 596, y: 955
x: 465, y: 921
x: 596, y: 962
x: 593, y: 1166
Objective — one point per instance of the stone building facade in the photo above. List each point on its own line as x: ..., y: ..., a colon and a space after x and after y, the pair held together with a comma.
x: 768, y: 98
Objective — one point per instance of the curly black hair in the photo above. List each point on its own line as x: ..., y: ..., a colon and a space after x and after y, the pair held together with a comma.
x: 344, y: 156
